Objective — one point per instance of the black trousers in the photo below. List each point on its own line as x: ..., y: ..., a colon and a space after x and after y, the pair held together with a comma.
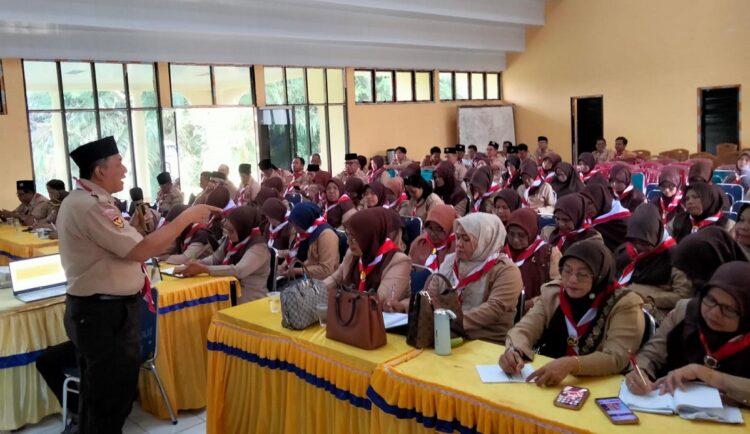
x: 52, y: 364
x: 106, y: 334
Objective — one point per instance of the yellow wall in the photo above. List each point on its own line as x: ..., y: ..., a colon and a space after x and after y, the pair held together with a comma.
x: 15, y: 150
x: 647, y: 58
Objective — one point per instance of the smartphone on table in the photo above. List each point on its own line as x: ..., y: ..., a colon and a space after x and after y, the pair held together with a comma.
x: 572, y: 397
x: 616, y: 411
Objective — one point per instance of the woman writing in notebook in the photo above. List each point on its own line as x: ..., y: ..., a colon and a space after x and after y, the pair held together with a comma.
x: 706, y: 338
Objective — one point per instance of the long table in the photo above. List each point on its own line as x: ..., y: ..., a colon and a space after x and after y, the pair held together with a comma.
x: 263, y: 378
x: 185, y: 310
x: 17, y: 244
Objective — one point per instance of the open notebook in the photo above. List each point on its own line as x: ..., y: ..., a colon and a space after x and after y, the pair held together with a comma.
x: 697, y: 402
x: 493, y: 374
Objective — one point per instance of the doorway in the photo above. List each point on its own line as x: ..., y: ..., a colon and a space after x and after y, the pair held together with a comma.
x: 719, y: 117
x: 276, y: 135
x: 587, y: 123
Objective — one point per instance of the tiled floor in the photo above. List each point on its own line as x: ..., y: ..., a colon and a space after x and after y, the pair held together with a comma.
x: 139, y: 422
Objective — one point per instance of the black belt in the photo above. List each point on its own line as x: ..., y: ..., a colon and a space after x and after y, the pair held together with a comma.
x: 106, y: 297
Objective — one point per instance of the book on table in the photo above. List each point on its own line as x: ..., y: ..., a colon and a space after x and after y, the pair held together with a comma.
x: 697, y: 401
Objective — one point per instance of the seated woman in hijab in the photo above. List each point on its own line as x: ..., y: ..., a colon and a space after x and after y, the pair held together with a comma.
x: 607, y: 215
x: 537, y: 194
x: 377, y: 171
x: 570, y: 223
x: 375, y: 195
x: 701, y: 171
x: 396, y: 192
x: 669, y: 200
x: 195, y: 242
x: 506, y: 201
x: 242, y: 253
x: 355, y: 189
x: 741, y: 170
x: 588, y: 171
x: 538, y: 260
x: 742, y: 229
x: 701, y: 253
x: 549, y: 165
x: 385, y: 268
x: 315, y: 191
x: 703, y: 203
x: 489, y: 281
x: 565, y: 180
x: 644, y: 263
x: 264, y: 194
x: 338, y: 206
x: 449, y: 190
x: 619, y: 181
x: 437, y: 240
x: 585, y: 322
x: 483, y: 190
x: 512, y: 176
x: 705, y: 338
x: 278, y: 231
x: 275, y: 183
x: 422, y: 198
x: 316, y: 244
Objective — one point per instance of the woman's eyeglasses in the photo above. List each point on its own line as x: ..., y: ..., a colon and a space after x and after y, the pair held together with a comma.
x: 726, y: 310
x: 581, y: 276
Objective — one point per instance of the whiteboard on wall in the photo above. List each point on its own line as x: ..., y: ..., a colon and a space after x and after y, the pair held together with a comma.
x: 478, y: 125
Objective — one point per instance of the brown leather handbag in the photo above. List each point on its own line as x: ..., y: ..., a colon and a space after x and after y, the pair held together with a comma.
x: 355, y: 318
x: 422, y: 305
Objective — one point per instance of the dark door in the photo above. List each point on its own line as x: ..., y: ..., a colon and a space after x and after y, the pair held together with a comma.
x: 587, y: 122
x: 720, y: 117
x: 276, y: 134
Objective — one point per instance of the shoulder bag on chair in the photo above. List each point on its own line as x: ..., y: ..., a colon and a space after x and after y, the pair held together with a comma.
x: 299, y: 299
x: 422, y: 305
x: 355, y: 318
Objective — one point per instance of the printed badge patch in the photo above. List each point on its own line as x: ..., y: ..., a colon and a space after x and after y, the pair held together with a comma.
x: 115, y: 217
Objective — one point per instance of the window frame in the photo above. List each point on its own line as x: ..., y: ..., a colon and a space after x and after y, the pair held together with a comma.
x: 394, y: 85
x: 213, y: 85
x: 471, y: 87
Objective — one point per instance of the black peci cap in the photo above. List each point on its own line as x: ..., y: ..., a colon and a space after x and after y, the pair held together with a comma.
x: 245, y: 169
x: 164, y: 178
x: 86, y: 155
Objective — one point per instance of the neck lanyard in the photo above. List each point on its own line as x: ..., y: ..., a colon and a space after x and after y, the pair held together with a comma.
x: 387, y: 246
x: 665, y: 210
x: 433, y: 261
x: 232, y: 248
x: 627, y: 274
x: 526, y: 254
x: 732, y: 347
x: 708, y: 221
x: 494, y: 187
x: 578, y: 330
x: 476, y: 273
x: 302, y: 236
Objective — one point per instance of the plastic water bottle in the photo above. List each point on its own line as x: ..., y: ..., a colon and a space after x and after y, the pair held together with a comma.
x: 442, y: 321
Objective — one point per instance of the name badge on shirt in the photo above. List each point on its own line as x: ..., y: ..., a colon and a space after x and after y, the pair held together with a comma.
x: 114, y: 216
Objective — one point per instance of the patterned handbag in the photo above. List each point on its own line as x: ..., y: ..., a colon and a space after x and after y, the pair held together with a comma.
x: 299, y: 299
x: 422, y: 304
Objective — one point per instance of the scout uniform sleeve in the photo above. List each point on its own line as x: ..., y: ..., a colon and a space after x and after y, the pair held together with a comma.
x: 104, y: 225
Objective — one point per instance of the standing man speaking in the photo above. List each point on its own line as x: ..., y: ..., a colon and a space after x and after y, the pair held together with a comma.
x: 102, y: 256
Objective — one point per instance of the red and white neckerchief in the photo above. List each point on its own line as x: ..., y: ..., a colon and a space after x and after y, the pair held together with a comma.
x: 417, y: 207
x: 387, y: 246
x: 290, y: 186
x: 193, y: 230
x: 228, y: 209
x: 627, y: 274
x: 589, y: 175
x: 550, y: 176
x: 241, y: 198
x: 373, y: 176
x: 526, y: 254
x: 321, y: 198
x: 625, y: 193
x: 302, y: 236
x: 673, y: 204
x: 146, y: 293
x: 476, y: 273
x: 494, y: 188
x: 234, y: 248
x: 730, y: 348
x: 509, y: 182
x: 433, y: 261
x: 275, y: 231
x: 564, y: 237
x: 708, y: 221
x: 402, y: 198
x: 330, y: 206
x: 617, y: 212
x: 576, y: 331
x: 537, y: 182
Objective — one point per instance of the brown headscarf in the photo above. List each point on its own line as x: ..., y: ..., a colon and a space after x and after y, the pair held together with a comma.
x: 264, y: 194
x: 712, y: 199
x: 276, y: 209
x: 481, y: 156
x: 529, y: 167
x: 219, y: 197
x: 451, y: 192
x: 645, y: 225
x: 571, y: 185
x: 701, y: 170
x: 335, y: 216
x: 481, y: 180
x: 526, y: 219
x: 395, y: 186
x: 553, y: 158
x: 573, y: 206
x: 245, y: 219
x: 421, y: 247
x: 510, y: 197
x: 535, y: 270
x: 670, y: 174
x: 321, y: 178
x: 355, y: 188
x: 701, y: 253
x: 379, y: 189
x: 612, y: 231
x: 621, y: 173
x: 276, y: 183
x: 588, y: 159
x: 369, y: 228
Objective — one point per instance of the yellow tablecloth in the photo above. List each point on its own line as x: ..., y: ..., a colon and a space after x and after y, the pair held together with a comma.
x: 48, y: 250
x: 19, y: 244
x: 185, y: 310
x: 263, y: 378
x: 444, y: 393
x: 25, y: 331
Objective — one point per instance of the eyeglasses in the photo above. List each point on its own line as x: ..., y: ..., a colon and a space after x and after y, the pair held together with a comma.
x: 580, y: 276
x: 726, y: 310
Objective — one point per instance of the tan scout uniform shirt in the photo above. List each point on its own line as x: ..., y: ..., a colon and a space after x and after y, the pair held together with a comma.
x: 94, y: 240
x: 343, y: 176
x: 460, y: 172
x: 165, y: 201
x: 39, y: 208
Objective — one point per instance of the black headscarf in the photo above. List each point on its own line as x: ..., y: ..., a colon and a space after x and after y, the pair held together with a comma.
x: 245, y: 219
x: 612, y: 231
x: 417, y: 181
x: 451, y: 192
x: 571, y: 185
x: 304, y: 215
x: 370, y: 228
x: 712, y: 201
x: 699, y: 254
x: 573, y: 206
x: 645, y: 225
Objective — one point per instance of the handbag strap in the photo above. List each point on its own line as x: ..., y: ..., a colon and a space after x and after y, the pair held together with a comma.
x: 351, y: 314
x: 442, y: 277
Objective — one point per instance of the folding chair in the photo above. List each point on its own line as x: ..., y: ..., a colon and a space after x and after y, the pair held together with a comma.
x: 343, y: 244
x: 546, y: 220
x: 721, y: 176
x: 519, y: 306
x: 638, y: 180
x: 736, y: 192
x: 650, y: 328
x: 650, y: 188
x: 419, y: 275
x: 413, y: 228
x: 737, y: 205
